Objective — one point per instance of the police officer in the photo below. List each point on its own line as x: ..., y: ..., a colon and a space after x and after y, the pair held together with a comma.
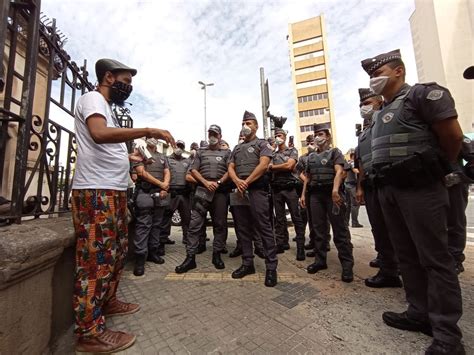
x: 350, y: 184
x: 209, y: 168
x: 414, y: 131
x: 324, y: 183
x: 305, y: 211
x: 367, y: 192
x: 179, y: 191
x: 257, y: 240
x: 152, y: 194
x: 248, y: 165
x: 284, y: 192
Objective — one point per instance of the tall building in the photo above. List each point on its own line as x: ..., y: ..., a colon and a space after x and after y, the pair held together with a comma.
x: 310, y: 75
x: 442, y: 33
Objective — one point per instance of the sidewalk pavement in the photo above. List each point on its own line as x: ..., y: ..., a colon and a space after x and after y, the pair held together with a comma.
x: 205, y: 311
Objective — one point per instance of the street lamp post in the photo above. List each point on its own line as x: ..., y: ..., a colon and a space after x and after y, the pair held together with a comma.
x: 203, y: 87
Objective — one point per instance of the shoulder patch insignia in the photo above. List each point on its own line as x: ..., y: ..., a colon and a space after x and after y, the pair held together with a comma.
x: 250, y: 149
x: 387, y: 117
x: 435, y: 95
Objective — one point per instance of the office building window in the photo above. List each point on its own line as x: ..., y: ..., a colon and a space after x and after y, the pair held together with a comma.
x: 306, y: 128
x: 309, y: 113
x: 314, y: 97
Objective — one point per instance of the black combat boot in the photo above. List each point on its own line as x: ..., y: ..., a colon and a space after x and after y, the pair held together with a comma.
x: 347, y: 273
x: 316, y: 266
x: 154, y: 257
x: 271, y: 278
x: 243, y: 271
x: 188, y: 264
x: 201, y: 248
x: 139, y: 269
x: 217, y: 261
x: 300, y: 255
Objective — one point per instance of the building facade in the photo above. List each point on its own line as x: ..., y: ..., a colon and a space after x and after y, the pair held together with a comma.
x: 442, y: 33
x: 310, y: 76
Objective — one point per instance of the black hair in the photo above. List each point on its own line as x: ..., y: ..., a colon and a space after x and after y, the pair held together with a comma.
x: 397, y: 63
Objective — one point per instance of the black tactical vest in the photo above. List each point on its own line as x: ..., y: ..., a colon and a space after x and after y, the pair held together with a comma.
x: 365, y: 150
x: 282, y: 157
x: 157, y: 168
x: 247, y: 157
x: 178, y: 170
x: 398, y: 133
x: 321, y: 168
x: 213, y: 163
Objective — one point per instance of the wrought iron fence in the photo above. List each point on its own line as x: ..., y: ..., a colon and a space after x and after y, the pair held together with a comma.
x: 42, y: 151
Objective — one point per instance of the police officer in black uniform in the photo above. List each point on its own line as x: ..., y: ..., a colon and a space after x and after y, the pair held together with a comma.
x: 367, y: 192
x: 324, y: 183
x: 179, y: 191
x: 414, y: 134
x: 209, y: 168
x: 152, y: 186
x: 350, y: 184
x: 284, y: 193
x: 257, y: 240
x: 248, y: 165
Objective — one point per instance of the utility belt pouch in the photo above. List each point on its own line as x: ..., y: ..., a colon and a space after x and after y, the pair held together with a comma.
x: 202, y: 199
x: 238, y: 199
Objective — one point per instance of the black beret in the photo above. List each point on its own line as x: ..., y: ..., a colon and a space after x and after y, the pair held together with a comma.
x: 372, y: 64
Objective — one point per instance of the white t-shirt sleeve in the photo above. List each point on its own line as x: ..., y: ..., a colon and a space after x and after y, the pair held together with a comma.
x: 93, y: 104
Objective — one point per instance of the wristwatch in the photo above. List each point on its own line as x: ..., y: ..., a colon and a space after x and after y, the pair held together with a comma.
x: 219, y: 182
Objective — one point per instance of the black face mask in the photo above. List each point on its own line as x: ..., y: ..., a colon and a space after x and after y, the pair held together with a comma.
x: 119, y: 92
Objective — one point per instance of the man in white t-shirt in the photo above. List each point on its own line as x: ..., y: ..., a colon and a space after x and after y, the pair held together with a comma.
x: 99, y: 203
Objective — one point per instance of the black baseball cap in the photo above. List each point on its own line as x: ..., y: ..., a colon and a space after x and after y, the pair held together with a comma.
x: 105, y: 64
x: 215, y: 128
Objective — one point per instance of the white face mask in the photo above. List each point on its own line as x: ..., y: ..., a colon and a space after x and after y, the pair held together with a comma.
x: 367, y: 111
x: 279, y: 141
x: 320, y: 140
x: 246, y: 130
x: 193, y: 152
x: 311, y: 148
x: 241, y: 141
x: 178, y: 152
x: 213, y: 140
x: 378, y: 84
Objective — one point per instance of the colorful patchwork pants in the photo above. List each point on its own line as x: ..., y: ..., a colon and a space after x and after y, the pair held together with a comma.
x: 101, y: 246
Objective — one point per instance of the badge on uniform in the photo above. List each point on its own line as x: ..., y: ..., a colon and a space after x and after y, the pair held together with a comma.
x: 387, y: 117
x: 250, y: 150
x: 162, y: 161
x: 435, y: 95
x: 218, y: 158
x: 324, y: 161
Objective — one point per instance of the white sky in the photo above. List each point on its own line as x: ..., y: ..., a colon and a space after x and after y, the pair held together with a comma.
x: 175, y: 44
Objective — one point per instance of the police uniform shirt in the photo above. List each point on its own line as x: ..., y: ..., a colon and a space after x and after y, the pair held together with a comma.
x: 196, y: 164
x: 337, y: 158
x: 301, y: 165
x: 431, y: 102
x: 266, y: 150
x: 156, y: 155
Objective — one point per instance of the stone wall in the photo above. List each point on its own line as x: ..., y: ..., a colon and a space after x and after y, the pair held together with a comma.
x: 36, y: 284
